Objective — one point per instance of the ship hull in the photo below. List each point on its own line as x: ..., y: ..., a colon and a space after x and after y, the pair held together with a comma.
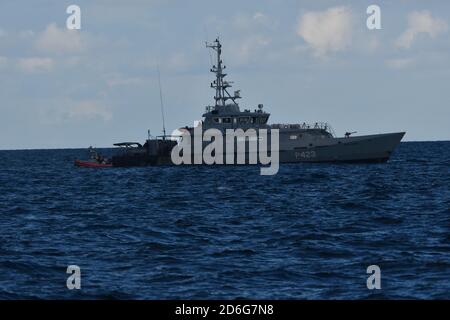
x: 370, y: 148
x: 359, y: 149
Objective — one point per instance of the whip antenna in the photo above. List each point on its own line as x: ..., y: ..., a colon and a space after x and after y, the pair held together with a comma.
x: 162, y: 104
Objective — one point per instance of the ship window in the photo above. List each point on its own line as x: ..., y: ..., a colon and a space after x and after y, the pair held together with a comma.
x: 234, y: 120
x: 216, y: 120
x: 293, y: 137
x: 262, y: 120
x: 243, y: 120
x: 226, y: 120
x: 253, y: 120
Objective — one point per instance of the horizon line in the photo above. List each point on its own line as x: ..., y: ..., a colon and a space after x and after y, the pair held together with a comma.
x: 112, y: 146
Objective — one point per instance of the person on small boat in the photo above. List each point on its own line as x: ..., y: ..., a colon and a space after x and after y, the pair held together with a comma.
x: 100, y: 159
x: 95, y: 156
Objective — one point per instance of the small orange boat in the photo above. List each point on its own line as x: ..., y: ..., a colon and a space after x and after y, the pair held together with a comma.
x: 96, y: 160
x: 92, y: 164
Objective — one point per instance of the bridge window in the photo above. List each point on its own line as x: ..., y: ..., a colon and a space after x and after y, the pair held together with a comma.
x: 244, y: 120
x: 226, y: 120
x: 293, y: 137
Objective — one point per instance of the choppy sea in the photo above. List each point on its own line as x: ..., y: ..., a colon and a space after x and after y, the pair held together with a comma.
x: 226, y: 232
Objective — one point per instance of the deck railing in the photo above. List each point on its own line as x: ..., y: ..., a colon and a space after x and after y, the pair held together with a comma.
x: 305, y: 126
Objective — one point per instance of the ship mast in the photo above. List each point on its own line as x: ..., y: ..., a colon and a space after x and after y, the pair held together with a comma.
x: 220, y: 85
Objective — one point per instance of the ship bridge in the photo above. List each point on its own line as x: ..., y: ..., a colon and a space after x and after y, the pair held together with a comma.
x: 230, y: 116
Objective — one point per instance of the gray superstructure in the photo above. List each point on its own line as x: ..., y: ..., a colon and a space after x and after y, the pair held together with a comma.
x: 297, y: 142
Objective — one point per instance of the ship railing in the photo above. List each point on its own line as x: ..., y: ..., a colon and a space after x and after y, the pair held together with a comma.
x: 305, y: 126
x: 167, y: 137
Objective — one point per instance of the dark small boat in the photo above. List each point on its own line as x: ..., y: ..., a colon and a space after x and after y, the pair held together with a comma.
x: 155, y: 151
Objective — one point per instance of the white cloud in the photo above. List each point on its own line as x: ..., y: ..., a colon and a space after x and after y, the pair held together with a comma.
x: 326, y: 31
x: 399, y: 63
x: 89, y: 110
x: 55, y: 40
x: 372, y: 44
x: 421, y: 22
x: 35, y: 64
x: 252, y: 36
x: 25, y: 34
x: 249, y: 47
x: 247, y: 22
x: 57, y: 110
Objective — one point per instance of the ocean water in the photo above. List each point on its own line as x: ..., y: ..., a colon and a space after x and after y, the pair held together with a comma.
x: 309, y: 232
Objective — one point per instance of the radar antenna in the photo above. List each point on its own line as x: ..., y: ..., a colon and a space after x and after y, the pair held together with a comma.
x: 220, y: 85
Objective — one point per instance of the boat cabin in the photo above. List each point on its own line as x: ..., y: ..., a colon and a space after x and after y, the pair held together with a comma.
x: 230, y: 116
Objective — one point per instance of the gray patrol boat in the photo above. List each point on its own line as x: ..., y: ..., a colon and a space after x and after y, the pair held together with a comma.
x: 298, y: 142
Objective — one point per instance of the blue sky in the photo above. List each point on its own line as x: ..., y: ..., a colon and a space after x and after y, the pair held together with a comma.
x: 304, y: 60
